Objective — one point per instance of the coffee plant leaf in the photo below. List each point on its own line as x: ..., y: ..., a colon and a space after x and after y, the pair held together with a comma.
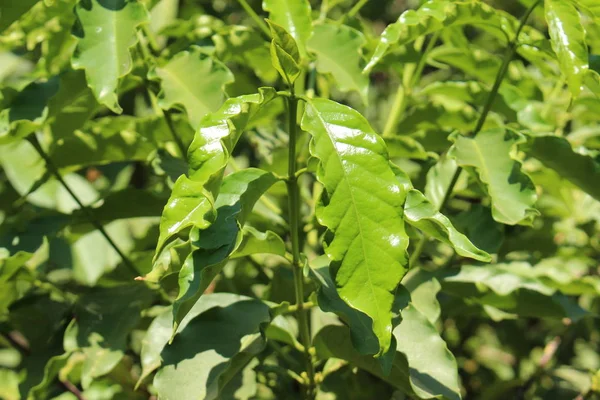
x: 511, y: 191
x: 106, y: 33
x: 190, y: 365
x: 193, y: 80
x: 556, y: 152
x: 12, y: 10
x: 362, y: 209
x: 568, y: 41
x: 338, y: 52
x: 295, y: 17
x: 590, y: 7
x: 257, y: 242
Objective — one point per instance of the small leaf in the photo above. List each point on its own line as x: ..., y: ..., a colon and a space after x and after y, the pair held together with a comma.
x: 556, y: 153
x: 194, y: 80
x: 283, y: 39
x: 294, y: 17
x: 103, y: 50
x: 256, y: 242
x: 338, y: 51
x: 420, y: 213
x: 568, y: 41
x: 362, y: 209
x: 511, y: 191
x: 284, y: 64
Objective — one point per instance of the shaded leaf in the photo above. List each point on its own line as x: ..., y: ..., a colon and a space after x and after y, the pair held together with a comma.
x: 338, y: 51
x: 362, y: 209
x: 256, y: 242
x: 194, y: 80
x: 511, y: 191
x: 107, y: 32
x: 12, y: 10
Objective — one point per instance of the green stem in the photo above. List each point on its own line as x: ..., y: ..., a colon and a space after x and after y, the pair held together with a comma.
x: 354, y: 10
x: 508, y: 56
x: 89, y: 214
x: 294, y: 217
x: 259, y: 21
x: 405, y: 88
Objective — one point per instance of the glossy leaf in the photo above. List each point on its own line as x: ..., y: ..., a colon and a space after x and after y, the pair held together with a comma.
x: 421, y: 214
x: 436, y: 15
x: 362, y: 209
x: 580, y: 169
x: 239, y: 192
x: 218, y: 339
x: 338, y: 51
x: 568, y: 41
x: 511, y: 191
x: 294, y: 16
x: 195, y: 81
x: 103, y: 50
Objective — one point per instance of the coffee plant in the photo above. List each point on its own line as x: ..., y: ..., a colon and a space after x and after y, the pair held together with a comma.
x: 220, y: 199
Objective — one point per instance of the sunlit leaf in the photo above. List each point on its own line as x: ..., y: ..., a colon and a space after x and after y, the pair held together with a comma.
x: 294, y: 17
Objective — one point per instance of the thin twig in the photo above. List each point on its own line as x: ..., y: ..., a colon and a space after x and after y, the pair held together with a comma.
x: 88, y: 213
x: 73, y: 389
x: 259, y: 21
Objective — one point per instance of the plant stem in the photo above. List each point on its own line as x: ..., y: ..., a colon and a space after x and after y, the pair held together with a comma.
x: 405, y: 88
x: 508, y: 56
x: 89, y: 214
x: 294, y: 217
x: 354, y: 10
x: 261, y: 24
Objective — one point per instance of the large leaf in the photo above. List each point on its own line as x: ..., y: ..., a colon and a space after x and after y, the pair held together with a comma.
x: 513, y: 288
x: 421, y: 214
x: 338, y: 51
x: 103, y: 51
x: 294, y: 16
x: 239, y: 192
x: 511, y: 191
x: 208, y: 155
x: 362, y: 210
x: 556, y: 153
x: 194, y: 80
x: 436, y: 15
x: 423, y: 366
x: 568, y: 41
x: 216, y: 341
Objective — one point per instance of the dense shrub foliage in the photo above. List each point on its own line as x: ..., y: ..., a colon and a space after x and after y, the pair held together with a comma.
x: 211, y: 199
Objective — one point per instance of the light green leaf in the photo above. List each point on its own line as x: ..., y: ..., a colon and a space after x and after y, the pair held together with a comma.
x: 438, y: 180
x: 424, y: 288
x: 256, y: 242
x: 239, y: 192
x: 209, y: 350
x: 294, y: 17
x: 194, y: 80
x: 556, y: 153
x: 511, y: 191
x: 103, y: 49
x: 284, y: 64
x: 284, y: 40
x: 338, y: 51
x: 568, y: 41
x: 208, y: 155
x: 362, y: 209
x: 512, y: 288
x: 421, y: 214
x: 591, y: 7
x: 436, y: 15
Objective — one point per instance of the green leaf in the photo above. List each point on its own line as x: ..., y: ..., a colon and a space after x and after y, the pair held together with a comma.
x: 193, y: 80
x: 556, y: 153
x: 209, y: 350
x: 284, y: 40
x: 568, y: 41
x: 362, y: 209
x: 338, y: 51
x: 421, y: 214
x: 256, y: 242
x: 107, y: 32
x: 285, y: 55
x: 191, y: 202
x: 438, y: 180
x: 511, y: 191
x: 424, y: 288
x: 12, y: 10
x: 591, y: 7
x: 436, y: 15
x: 512, y: 288
x: 239, y: 192
x: 294, y: 17
x: 423, y: 366
x: 27, y: 110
